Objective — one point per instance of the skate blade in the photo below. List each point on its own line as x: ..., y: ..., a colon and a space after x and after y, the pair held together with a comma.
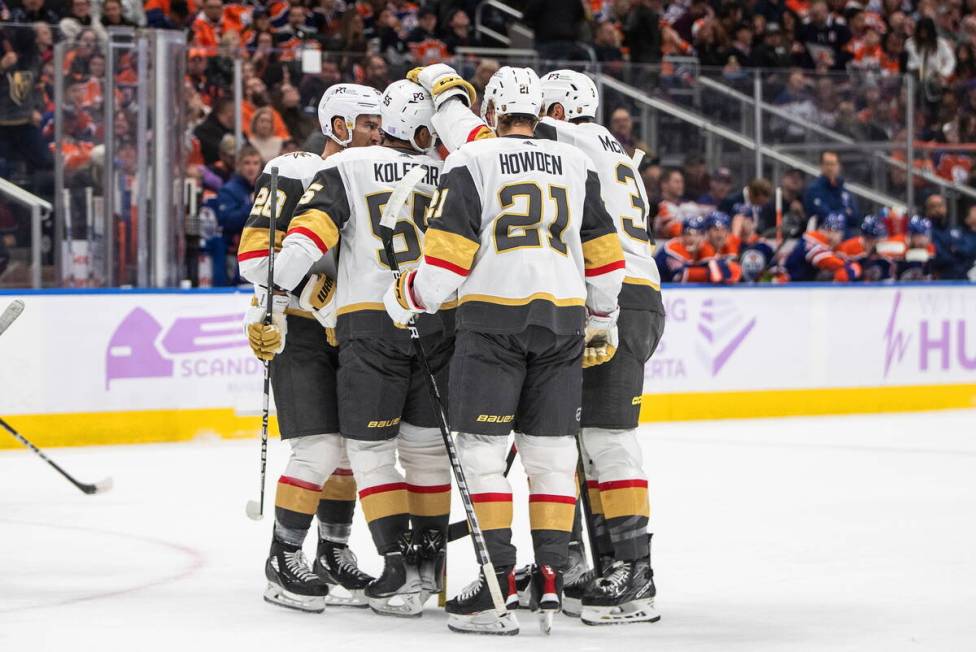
x: 484, y: 622
x: 572, y: 607
x: 399, y: 606
x: 545, y: 620
x: 339, y: 596
x: 638, y: 611
x: 274, y: 594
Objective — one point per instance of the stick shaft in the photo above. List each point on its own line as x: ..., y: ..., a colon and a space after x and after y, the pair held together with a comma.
x: 86, y: 488
x: 477, y: 536
x: 266, y: 398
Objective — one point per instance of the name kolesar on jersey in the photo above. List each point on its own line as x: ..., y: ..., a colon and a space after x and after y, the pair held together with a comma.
x: 393, y: 171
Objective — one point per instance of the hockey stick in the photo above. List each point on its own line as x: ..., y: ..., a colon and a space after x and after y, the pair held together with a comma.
x: 584, y: 492
x: 255, y: 508
x: 459, y: 529
x: 398, y: 198
x: 99, y: 487
x: 10, y: 315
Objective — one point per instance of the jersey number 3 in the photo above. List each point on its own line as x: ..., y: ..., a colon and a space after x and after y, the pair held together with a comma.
x: 520, y: 230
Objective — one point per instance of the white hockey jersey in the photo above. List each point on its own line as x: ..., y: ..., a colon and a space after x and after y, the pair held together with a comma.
x: 345, y: 202
x: 625, y: 198
x: 519, y: 228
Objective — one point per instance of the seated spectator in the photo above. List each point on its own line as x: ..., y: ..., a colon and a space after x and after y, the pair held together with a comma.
x: 256, y: 97
x: 827, y: 193
x: 20, y: 134
x: 387, y: 30
x: 965, y: 246
x: 262, y: 136
x: 486, y: 68
x: 719, y: 187
x: 425, y: 48
x: 741, y: 46
x: 218, y: 124
x: 670, y: 218
x: 214, y: 21
x: 773, y: 52
x: 813, y: 257
x: 458, y: 33
x: 376, y: 73
x: 112, y: 15
x: 930, y: 56
x: 695, y: 172
x: 351, y: 36
x: 755, y: 201
x: 622, y: 128
x: 78, y: 18
x: 287, y: 102
x: 606, y: 43
x: 33, y: 11
x: 233, y: 204
x: 169, y: 14
x: 824, y: 36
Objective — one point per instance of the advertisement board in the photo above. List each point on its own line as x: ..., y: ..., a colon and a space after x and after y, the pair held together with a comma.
x: 104, y: 367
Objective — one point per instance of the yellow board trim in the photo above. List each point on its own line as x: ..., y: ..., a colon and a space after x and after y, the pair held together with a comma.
x: 523, y: 301
x: 153, y: 426
x: 693, y: 406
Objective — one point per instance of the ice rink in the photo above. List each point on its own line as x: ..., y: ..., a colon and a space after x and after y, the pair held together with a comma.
x: 852, y: 533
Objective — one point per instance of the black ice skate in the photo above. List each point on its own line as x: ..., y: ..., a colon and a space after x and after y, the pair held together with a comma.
x: 397, y: 591
x: 291, y: 583
x: 431, y: 555
x: 472, y: 611
x: 337, y: 565
x: 624, y: 594
x: 546, y: 589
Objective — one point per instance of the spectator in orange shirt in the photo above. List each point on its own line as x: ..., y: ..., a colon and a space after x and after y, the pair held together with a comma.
x: 256, y: 97
x: 214, y: 20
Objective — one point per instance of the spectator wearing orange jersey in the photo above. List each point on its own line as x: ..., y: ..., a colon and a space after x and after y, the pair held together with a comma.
x: 170, y: 14
x: 255, y: 97
x: 216, y: 19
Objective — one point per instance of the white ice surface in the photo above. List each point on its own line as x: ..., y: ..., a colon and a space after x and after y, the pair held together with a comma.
x: 854, y: 533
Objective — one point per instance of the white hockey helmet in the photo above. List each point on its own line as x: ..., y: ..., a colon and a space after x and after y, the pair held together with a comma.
x: 405, y: 108
x: 513, y: 91
x: 347, y: 101
x: 573, y: 90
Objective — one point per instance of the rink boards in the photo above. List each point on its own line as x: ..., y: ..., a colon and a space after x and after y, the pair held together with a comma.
x: 138, y: 366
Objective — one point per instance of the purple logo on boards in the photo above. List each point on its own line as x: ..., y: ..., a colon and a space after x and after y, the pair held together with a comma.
x: 723, y: 329
x: 940, y: 337
x: 136, y: 349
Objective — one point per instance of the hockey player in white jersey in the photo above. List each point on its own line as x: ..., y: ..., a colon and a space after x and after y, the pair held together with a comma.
x: 317, y: 479
x: 612, y: 392
x: 384, y: 406
x: 519, y: 230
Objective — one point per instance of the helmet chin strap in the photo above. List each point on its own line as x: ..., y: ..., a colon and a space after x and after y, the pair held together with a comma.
x: 342, y: 142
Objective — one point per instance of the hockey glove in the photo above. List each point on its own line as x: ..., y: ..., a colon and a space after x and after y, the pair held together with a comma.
x: 400, y: 302
x: 443, y: 82
x: 318, y: 298
x: 601, y: 338
x: 266, y: 340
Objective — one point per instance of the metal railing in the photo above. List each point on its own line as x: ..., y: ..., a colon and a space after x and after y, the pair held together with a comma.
x: 707, y: 125
x: 759, y: 106
x: 479, y: 14
x: 39, y: 209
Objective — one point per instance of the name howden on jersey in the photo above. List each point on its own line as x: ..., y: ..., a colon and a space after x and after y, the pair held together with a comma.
x: 520, y: 162
x: 393, y: 171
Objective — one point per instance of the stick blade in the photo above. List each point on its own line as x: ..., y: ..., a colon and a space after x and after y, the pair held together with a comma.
x: 10, y: 314
x: 254, y: 511
x: 104, y: 486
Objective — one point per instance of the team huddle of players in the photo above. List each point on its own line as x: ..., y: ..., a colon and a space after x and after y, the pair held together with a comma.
x: 714, y: 248
x: 528, y: 277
